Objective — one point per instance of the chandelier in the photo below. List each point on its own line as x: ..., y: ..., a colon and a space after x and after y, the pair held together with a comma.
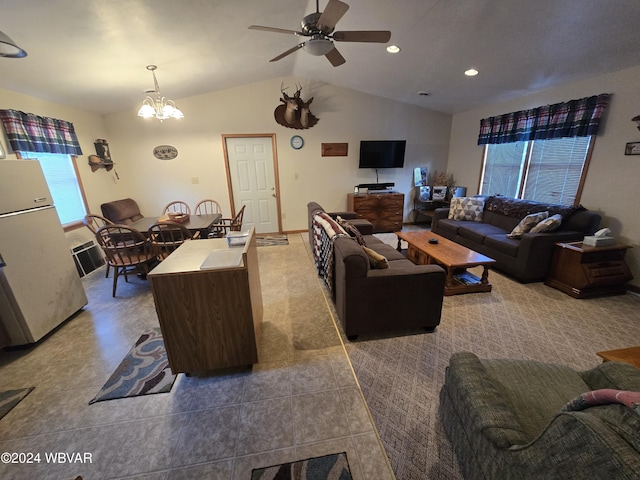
x: 158, y: 107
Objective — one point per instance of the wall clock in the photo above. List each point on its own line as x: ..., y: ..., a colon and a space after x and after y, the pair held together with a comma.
x: 297, y: 142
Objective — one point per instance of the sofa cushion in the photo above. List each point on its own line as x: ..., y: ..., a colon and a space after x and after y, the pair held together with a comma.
x: 477, y: 232
x: 503, y: 244
x: 375, y: 259
x: 386, y: 250
x: 527, y: 223
x: 448, y: 228
x: 466, y: 208
x: 548, y: 224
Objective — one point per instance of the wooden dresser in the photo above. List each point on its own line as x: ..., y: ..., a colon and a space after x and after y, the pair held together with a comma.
x: 385, y: 211
x: 210, y: 317
x: 583, y: 271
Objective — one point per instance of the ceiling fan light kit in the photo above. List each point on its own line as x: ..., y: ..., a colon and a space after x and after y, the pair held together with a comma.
x: 158, y: 107
x: 9, y: 48
x: 319, y: 27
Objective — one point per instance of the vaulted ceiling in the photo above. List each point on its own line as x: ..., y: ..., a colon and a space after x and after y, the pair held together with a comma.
x: 91, y: 54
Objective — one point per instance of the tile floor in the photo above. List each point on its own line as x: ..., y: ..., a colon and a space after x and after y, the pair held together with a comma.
x: 301, y: 400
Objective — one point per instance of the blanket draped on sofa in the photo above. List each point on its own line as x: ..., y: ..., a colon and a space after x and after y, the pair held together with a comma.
x: 325, y: 231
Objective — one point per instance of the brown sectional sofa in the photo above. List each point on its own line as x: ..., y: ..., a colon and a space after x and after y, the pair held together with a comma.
x: 527, y: 259
x: 403, y: 296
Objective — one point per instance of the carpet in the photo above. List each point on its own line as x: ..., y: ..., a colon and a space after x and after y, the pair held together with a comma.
x: 328, y: 467
x: 270, y: 240
x: 145, y: 370
x: 11, y: 398
x: 401, y: 374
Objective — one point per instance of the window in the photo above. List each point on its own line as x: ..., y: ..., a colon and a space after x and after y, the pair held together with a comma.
x: 62, y: 178
x: 550, y: 171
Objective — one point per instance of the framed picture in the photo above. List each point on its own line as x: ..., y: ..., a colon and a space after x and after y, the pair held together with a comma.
x: 632, y: 148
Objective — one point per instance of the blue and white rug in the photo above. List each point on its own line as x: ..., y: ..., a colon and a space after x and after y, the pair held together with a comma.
x: 145, y: 370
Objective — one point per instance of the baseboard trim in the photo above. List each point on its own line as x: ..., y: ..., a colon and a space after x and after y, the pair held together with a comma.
x: 633, y: 288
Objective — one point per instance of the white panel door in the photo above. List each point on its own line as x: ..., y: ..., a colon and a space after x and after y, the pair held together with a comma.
x: 252, y: 172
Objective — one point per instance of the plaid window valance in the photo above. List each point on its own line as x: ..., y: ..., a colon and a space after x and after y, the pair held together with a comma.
x: 31, y: 133
x: 576, y: 118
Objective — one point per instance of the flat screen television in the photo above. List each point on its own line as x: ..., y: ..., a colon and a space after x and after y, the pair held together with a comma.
x: 382, y: 153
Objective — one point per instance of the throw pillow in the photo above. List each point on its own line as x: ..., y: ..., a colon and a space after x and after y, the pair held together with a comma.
x: 466, y: 208
x: 375, y: 259
x: 548, y: 224
x: 527, y: 223
x: 351, y: 230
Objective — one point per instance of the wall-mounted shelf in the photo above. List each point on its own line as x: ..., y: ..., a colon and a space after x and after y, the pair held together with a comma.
x: 95, y: 162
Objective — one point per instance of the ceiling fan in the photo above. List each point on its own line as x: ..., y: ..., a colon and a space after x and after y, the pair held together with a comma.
x: 319, y: 28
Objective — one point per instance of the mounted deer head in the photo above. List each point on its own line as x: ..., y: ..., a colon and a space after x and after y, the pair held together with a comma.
x: 294, y: 113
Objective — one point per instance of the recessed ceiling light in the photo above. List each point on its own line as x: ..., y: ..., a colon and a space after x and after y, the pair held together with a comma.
x: 472, y: 72
x: 393, y: 49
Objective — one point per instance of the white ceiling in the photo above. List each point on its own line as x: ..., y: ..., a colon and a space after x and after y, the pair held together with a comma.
x: 91, y: 54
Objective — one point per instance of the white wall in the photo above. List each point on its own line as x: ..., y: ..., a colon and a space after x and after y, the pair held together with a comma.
x: 613, y: 178
x: 100, y: 186
x: 344, y: 116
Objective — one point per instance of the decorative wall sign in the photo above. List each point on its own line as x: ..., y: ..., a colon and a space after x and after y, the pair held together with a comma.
x: 632, y: 148
x: 165, y: 152
x: 335, y: 149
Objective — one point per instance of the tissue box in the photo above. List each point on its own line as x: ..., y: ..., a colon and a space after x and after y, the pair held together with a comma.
x: 235, y: 239
x: 594, y: 241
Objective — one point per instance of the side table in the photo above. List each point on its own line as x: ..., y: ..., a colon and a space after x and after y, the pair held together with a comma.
x: 583, y: 271
x: 629, y: 355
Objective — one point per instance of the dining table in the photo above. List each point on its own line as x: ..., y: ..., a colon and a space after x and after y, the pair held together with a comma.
x: 195, y: 223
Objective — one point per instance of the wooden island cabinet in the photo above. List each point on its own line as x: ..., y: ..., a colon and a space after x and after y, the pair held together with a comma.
x: 385, y: 211
x: 209, y: 304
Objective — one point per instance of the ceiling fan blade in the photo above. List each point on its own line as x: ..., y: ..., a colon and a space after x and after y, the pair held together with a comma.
x: 288, y: 52
x: 275, y: 30
x: 335, y: 57
x: 333, y: 12
x: 374, y: 36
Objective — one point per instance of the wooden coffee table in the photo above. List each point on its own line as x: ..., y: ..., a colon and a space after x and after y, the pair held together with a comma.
x: 453, y: 257
x: 629, y: 355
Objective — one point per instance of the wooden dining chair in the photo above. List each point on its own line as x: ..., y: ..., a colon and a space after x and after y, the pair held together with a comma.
x: 207, y: 207
x: 93, y: 223
x: 127, y: 250
x: 177, y: 206
x: 232, y: 224
x: 167, y: 236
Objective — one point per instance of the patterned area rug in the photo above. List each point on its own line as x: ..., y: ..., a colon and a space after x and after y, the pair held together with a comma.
x: 328, y: 467
x: 143, y: 371
x: 270, y: 240
x: 11, y: 398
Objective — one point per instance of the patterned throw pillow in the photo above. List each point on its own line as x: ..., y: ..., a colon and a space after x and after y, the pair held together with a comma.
x: 351, y: 230
x: 375, y: 259
x: 527, y: 223
x: 466, y: 208
x: 548, y: 224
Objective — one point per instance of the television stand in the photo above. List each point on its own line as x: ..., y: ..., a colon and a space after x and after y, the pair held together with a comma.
x: 385, y: 210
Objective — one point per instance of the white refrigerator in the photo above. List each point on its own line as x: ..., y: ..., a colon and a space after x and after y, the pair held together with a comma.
x: 39, y: 285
